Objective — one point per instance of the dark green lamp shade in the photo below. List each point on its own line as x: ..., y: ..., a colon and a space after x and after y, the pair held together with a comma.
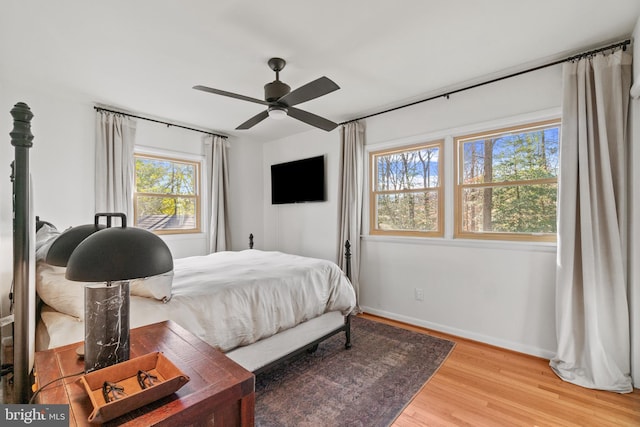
x: 119, y: 253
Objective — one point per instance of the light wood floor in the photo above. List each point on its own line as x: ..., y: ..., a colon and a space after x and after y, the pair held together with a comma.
x: 481, y: 385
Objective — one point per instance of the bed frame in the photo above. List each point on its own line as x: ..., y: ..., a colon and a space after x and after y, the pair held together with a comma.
x: 23, y: 289
x: 312, y: 346
x: 23, y: 295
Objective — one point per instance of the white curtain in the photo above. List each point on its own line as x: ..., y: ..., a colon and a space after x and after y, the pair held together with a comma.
x: 217, y: 210
x: 350, y: 197
x: 592, y: 310
x: 115, y: 167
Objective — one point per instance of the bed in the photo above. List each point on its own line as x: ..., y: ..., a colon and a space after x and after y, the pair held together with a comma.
x: 230, y: 299
x: 259, y: 307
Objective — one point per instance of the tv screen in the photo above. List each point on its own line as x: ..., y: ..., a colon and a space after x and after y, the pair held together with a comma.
x: 298, y: 181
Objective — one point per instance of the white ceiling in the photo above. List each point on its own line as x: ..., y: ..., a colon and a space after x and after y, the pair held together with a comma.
x: 144, y: 56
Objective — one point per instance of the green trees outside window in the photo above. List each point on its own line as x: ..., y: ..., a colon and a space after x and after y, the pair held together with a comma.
x: 407, y: 191
x: 505, y: 186
x: 507, y: 183
x: 167, y: 195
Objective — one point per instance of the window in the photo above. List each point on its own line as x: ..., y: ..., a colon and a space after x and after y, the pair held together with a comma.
x: 506, y: 183
x: 167, y: 195
x: 406, y: 191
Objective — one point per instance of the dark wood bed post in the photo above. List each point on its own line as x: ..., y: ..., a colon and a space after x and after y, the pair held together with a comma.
x: 251, y: 241
x: 21, y: 139
x: 347, y: 268
x: 347, y: 259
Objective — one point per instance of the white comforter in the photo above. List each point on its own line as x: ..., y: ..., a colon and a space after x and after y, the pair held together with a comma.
x: 231, y: 299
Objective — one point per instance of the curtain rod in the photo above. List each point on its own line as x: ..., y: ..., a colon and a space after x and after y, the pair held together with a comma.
x: 159, y: 121
x: 622, y: 44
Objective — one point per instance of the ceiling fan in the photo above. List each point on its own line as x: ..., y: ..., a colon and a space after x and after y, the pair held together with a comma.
x: 280, y: 100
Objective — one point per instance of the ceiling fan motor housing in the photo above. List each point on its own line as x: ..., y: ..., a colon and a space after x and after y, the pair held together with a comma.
x: 275, y: 90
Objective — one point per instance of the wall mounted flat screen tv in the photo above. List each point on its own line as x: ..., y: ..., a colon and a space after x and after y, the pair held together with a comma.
x: 298, y: 181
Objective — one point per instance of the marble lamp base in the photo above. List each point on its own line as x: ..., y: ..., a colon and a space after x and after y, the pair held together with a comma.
x: 106, y: 324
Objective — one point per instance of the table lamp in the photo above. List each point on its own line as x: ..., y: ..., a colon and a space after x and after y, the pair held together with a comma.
x: 107, y: 259
x: 63, y: 246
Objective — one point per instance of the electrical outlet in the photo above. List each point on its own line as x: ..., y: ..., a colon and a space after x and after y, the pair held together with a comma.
x: 419, y: 294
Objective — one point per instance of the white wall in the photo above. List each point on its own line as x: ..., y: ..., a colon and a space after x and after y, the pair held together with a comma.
x: 61, y: 164
x: 245, y: 195
x: 309, y: 229
x: 500, y: 293
x: 62, y: 167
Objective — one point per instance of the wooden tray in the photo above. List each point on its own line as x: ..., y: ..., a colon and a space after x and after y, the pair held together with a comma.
x: 170, y: 379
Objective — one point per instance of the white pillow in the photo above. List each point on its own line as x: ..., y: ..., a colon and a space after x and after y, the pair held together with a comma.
x: 44, y: 238
x: 67, y: 296
x: 57, y: 292
x: 158, y: 287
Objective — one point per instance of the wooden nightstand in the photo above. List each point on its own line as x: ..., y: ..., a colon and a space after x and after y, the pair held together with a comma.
x: 219, y: 389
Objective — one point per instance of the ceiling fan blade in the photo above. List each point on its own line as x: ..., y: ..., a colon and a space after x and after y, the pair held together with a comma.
x: 230, y: 94
x: 311, y: 119
x: 253, y: 120
x: 311, y: 90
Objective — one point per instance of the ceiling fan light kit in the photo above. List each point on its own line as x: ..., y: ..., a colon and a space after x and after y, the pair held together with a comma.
x: 277, y: 113
x: 279, y: 99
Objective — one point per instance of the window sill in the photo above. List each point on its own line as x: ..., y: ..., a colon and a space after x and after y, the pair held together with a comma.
x: 181, y: 236
x: 466, y: 243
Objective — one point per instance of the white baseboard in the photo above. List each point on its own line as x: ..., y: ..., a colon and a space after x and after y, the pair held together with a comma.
x: 510, y: 345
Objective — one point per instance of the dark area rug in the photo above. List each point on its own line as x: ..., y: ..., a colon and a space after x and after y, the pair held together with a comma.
x: 368, y: 385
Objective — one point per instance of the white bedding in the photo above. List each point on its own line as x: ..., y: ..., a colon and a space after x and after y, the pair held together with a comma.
x: 232, y: 299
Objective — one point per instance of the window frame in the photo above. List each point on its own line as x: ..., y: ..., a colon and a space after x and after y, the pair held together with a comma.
x: 373, y: 173
x: 197, y: 196
x: 459, y: 187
